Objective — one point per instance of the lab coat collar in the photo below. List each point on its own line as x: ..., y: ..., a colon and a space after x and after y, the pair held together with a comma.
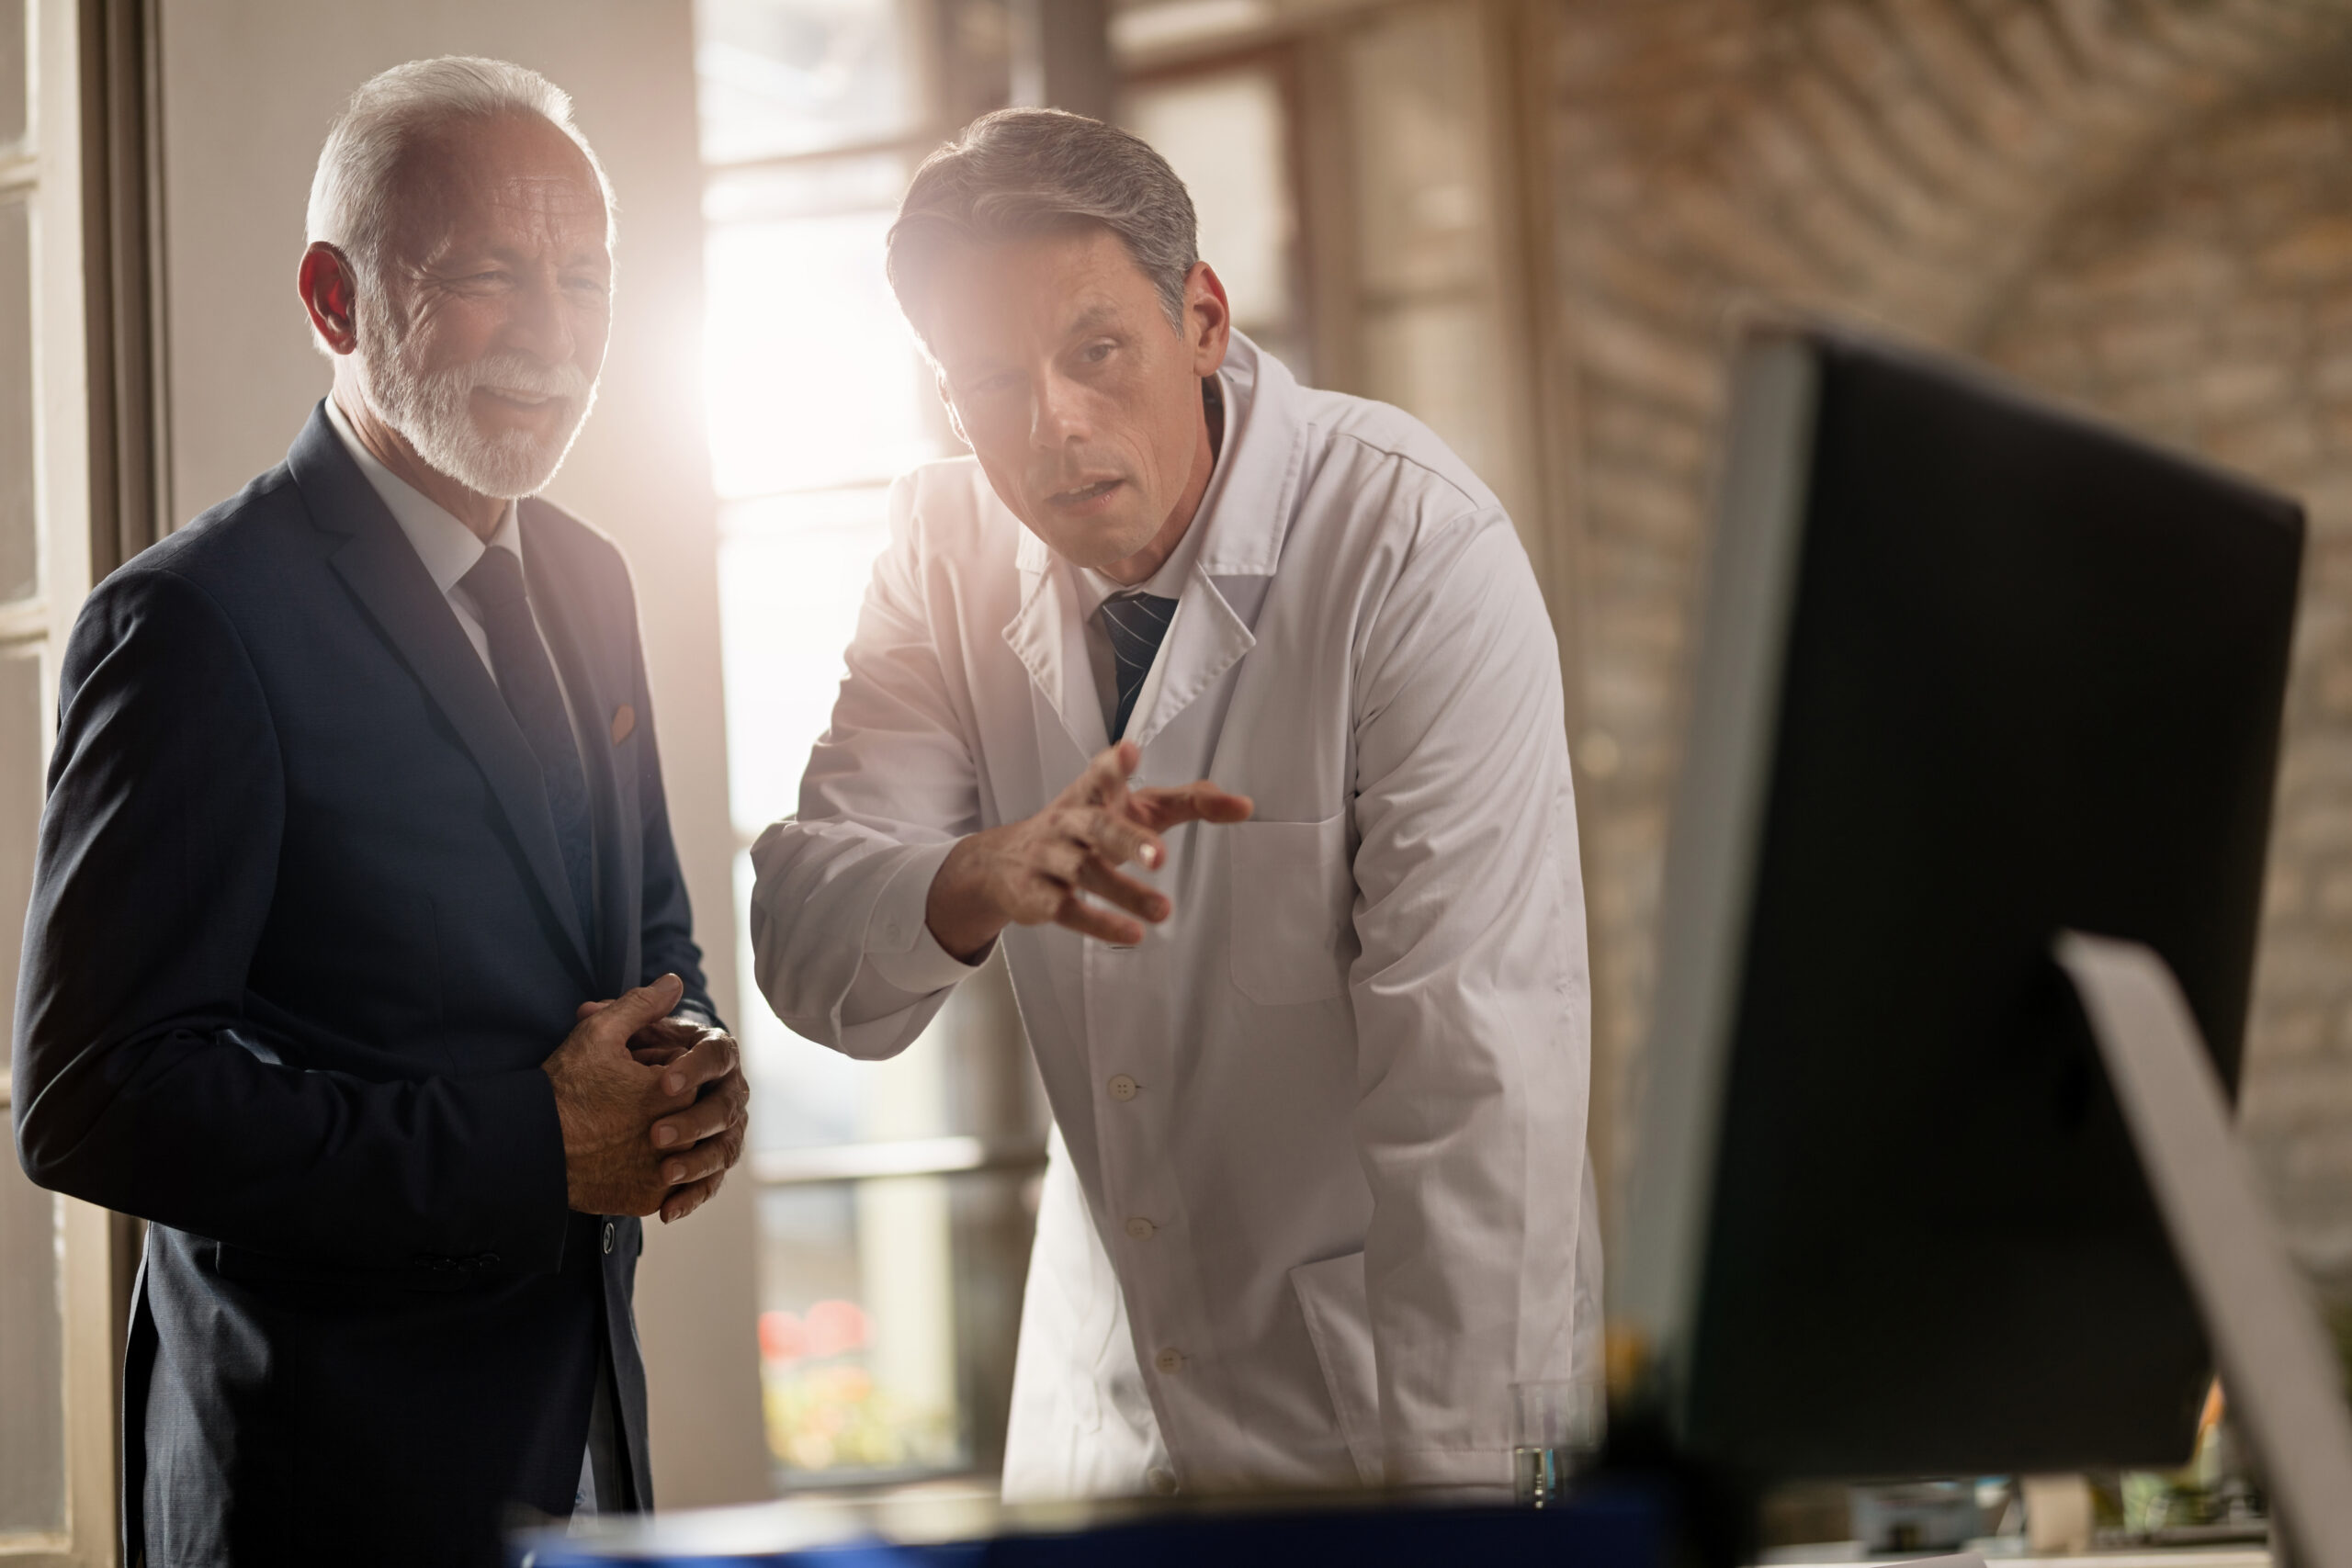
x: 1247, y: 510
x: 1051, y: 645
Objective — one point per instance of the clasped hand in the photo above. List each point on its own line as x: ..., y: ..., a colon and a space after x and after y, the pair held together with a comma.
x: 1037, y: 870
x: 653, y: 1108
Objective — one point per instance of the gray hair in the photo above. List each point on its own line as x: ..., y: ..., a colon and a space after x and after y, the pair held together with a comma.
x: 351, y: 195
x: 1019, y: 173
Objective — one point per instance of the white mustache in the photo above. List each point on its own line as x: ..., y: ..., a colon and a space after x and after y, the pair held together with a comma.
x: 518, y: 376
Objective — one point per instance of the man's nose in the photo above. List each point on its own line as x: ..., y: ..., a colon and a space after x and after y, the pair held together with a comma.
x: 1056, y: 416
x: 539, y: 324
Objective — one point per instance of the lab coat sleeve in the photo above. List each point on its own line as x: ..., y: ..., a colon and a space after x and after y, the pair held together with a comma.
x: 840, y: 946
x: 1470, y: 998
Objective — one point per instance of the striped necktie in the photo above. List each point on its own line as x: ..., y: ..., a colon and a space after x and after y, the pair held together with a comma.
x: 1137, y: 623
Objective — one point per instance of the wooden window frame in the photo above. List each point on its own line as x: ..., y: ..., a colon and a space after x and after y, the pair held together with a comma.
x: 92, y: 181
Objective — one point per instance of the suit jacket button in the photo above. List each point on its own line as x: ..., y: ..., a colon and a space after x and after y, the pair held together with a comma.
x: 609, y: 1229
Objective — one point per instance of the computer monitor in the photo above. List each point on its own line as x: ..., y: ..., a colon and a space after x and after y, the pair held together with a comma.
x: 1975, y: 670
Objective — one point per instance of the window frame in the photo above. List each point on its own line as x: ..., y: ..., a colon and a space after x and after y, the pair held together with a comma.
x: 48, y: 172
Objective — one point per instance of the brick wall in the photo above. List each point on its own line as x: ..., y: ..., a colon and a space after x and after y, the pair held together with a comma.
x: 2144, y: 207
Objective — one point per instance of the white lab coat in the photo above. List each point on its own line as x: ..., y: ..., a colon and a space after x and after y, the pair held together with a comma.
x: 1326, y: 1195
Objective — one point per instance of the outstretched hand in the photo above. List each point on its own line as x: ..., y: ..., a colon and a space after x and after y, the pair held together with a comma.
x: 1040, y: 869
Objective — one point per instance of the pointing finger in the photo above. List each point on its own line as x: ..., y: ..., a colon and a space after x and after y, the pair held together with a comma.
x: 1200, y: 801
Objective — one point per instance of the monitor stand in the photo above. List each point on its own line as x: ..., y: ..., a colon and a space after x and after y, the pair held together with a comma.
x: 2285, y: 1385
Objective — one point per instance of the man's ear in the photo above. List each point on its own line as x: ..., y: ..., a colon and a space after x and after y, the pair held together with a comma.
x: 330, y: 292
x: 1208, y: 318
x: 955, y: 420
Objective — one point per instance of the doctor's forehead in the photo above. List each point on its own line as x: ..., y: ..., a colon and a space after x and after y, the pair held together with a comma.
x: 1014, y: 296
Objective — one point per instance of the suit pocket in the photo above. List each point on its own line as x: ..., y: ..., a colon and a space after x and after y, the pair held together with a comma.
x: 1338, y: 1323
x: 1293, y: 899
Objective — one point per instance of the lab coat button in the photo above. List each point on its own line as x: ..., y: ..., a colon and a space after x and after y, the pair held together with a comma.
x: 1162, y: 1481
x: 1122, y: 1087
x: 1141, y: 1228
x: 1170, y: 1361
x: 608, y: 1235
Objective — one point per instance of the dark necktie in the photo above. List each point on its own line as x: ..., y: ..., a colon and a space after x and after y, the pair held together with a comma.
x: 1137, y: 623
x: 527, y: 680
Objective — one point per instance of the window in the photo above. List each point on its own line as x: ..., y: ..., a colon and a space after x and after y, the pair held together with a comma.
x: 57, y: 1340
x: 896, y: 1198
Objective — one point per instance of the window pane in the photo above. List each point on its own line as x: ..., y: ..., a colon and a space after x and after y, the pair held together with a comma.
x: 889, y: 1311
x: 866, y: 182
x: 790, y: 75
x: 32, y: 1395
x: 19, y: 554
x: 1414, y: 90
x: 14, y: 70
x: 813, y: 374
x: 792, y: 572
x: 1225, y: 138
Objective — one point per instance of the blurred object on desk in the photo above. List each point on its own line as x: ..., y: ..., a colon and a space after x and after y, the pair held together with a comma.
x: 2058, y: 1513
x: 1621, y: 1524
x: 1919, y: 1515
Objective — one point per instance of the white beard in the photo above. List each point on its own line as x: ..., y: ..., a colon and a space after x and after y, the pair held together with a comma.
x: 432, y: 411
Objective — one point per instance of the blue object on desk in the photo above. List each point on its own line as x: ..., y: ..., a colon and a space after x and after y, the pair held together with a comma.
x: 1614, y: 1527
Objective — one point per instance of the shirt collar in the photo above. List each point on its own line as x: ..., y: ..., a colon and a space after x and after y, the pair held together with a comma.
x: 446, y: 546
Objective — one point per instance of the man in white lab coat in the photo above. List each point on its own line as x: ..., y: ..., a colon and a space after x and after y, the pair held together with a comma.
x: 1314, y: 1033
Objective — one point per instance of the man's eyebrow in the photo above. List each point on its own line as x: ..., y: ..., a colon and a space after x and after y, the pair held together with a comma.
x: 1094, y: 317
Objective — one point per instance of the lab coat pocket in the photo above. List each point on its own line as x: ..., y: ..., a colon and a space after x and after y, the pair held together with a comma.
x: 1294, y: 899
x: 1339, y: 1322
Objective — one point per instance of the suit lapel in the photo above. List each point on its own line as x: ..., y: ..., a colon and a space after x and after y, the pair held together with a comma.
x: 383, y: 572
x: 562, y: 599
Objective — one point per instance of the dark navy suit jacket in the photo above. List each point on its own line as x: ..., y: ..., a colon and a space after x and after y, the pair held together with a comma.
x: 299, y: 939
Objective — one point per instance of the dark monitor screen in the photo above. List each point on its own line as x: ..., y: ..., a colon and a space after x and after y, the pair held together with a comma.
x: 1975, y: 670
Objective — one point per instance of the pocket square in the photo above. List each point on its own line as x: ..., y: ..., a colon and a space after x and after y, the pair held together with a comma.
x: 624, y: 721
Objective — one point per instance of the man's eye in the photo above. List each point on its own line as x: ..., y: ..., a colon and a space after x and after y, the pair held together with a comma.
x: 1096, y: 354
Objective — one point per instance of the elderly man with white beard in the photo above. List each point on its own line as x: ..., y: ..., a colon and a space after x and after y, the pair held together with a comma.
x: 359, y: 962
